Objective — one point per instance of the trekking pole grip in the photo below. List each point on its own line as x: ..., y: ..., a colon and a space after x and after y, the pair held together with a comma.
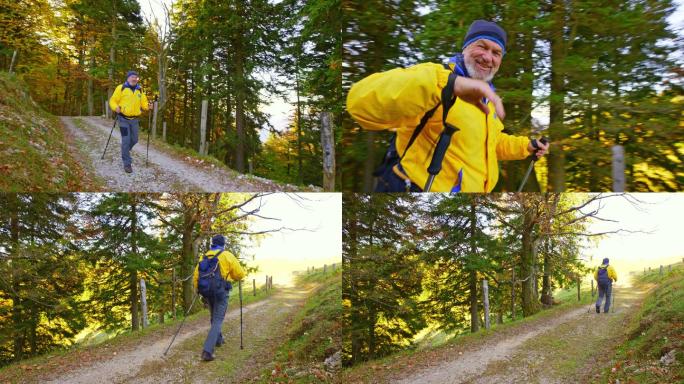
x: 543, y: 140
x: 440, y: 150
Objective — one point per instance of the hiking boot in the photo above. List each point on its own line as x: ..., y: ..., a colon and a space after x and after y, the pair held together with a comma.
x: 128, y: 169
x: 206, y: 356
x: 598, y: 310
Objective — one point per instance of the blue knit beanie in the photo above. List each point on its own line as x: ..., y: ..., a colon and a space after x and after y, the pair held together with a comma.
x: 131, y: 73
x: 605, y: 261
x: 483, y: 29
x: 218, y: 241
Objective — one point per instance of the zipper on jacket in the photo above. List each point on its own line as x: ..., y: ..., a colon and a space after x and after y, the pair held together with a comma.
x: 486, y: 152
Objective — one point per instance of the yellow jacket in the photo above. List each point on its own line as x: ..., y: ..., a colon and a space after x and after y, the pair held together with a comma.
x: 230, y: 267
x: 398, y: 99
x: 132, y: 103
x: 611, y: 273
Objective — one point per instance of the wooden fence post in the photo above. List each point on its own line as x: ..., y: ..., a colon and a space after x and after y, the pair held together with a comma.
x: 513, y: 293
x: 143, y: 302
x: 592, y: 287
x: 661, y: 270
x: 164, y: 131
x: 203, y: 128
x: 173, y: 293
x: 328, y: 149
x: 266, y: 284
x: 154, y: 121
x: 14, y: 58
x: 254, y: 286
x: 618, y: 168
x: 485, y: 302
x: 579, y: 281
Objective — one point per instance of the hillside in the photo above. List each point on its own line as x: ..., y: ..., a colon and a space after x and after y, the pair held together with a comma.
x: 36, y: 154
x: 653, y: 351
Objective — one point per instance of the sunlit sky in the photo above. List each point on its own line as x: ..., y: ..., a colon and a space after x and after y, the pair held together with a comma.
x: 319, y: 215
x: 659, y: 213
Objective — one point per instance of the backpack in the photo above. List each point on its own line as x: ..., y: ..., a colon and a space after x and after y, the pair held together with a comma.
x: 603, y: 275
x: 210, y: 281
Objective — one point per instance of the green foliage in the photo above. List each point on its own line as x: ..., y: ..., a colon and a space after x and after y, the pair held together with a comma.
x: 382, y: 275
x: 41, y: 275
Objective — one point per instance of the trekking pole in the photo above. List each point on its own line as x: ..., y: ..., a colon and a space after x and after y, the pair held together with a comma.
x: 613, y: 299
x: 181, y: 324
x: 534, y: 159
x: 110, y: 137
x: 240, y: 289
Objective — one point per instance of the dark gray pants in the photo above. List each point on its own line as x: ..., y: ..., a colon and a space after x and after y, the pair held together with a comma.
x: 129, y: 137
x: 607, y: 291
x: 217, y: 306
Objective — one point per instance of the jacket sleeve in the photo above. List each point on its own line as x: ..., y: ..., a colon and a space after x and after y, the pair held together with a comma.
x: 383, y: 100
x: 611, y: 273
x: 115, y: 99
x: 195, y: 276
x: 230, y: 267
x: 509, y: 147
x: 144, y: 102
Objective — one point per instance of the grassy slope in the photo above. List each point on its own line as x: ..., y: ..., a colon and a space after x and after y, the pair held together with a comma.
x: 35, y: 369
x: 34, y: 154
x: 315, y: 333
x: 444, y: 346
x: 657, y: 329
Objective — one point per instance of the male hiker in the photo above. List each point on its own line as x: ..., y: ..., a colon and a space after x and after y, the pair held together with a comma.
x: 605, y: 276
x: 398, y: 99
x: 128, y: 101
x: 212, y: 280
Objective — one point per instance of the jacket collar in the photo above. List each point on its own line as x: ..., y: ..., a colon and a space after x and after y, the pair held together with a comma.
x: 132, y: 88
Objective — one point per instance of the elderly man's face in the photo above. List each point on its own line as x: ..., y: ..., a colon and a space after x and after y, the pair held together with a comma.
x: 482, y: 59
x: 132, y: 79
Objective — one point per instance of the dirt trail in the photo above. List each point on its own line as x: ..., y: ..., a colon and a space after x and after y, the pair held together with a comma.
x: 145, y: 363
x: 165, y: 172
x: 568, y: 348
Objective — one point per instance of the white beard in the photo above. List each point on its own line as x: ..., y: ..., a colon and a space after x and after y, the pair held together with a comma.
x: 475, y: 73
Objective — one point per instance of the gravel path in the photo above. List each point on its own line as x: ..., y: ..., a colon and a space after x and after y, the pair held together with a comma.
x: 123, y: 366
x: 558, y: 350
x: 164, y: 173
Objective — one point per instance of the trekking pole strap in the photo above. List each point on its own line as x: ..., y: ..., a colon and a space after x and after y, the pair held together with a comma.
x: 448, y: 100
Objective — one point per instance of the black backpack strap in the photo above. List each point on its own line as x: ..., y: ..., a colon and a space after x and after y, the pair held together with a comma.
x: 428, y: 115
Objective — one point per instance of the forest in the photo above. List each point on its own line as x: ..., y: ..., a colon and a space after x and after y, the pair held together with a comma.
x: 71, y: 264
x: 237, y: 56
x: 416, y: 263
x: 601, y: 73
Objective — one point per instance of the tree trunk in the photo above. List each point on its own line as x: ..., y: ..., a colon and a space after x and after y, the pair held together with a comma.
x: 472, y: 275
x: 369, y: 165
x: 187, y: 265
x: 530, y: 304
x: 17, y: 303
x: 240, y: 91
x: 300, y: 176
x: 556, y: 103
x: 133, y: 277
